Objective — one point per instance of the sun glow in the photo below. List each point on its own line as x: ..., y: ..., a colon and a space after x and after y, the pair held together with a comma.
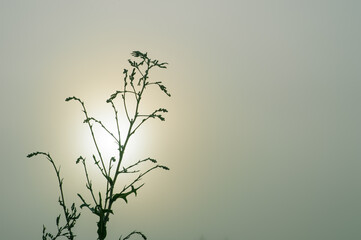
x: 108, y: 145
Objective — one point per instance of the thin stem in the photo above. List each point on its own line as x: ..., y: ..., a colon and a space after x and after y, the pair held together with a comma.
x: 139, y: 177
x: 89, y: 184
x: 60, y: 181
x: 121, y: 153
x: 93, y: 136
x: 103, y: 126
x: 68, y: 217
x: 125, y: 108
x: 132, y: 233
x: 137, y: 163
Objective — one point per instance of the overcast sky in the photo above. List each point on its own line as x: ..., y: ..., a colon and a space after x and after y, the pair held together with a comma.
x: 263, y: 131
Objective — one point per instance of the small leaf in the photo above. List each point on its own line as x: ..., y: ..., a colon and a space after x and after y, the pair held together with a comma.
x: 133, y: 190
x: 32, y: 154
x: 162, y: 65
x: 163, y: 167
x: 164, y: 89
x: 162, y: 110
x: 132, y: 63
x: 120, y: 195
x: 109, y: 180
x: 139, y: 54
x: 57, y: 220
x: 160, y: 117
x: 95, y: 160
x: 84, y: 205
x: 79, y: 158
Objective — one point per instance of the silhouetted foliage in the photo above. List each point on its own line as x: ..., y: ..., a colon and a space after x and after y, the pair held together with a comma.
x: 71, y: 214
x: 101, y: 204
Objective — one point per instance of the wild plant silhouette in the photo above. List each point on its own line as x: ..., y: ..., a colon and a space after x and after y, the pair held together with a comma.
x: 135, y: 83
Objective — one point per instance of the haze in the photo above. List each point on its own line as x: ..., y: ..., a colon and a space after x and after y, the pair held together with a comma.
x: 263, y: 132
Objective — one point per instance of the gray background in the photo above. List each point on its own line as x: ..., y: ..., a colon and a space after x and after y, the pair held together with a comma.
x: 263, y: 132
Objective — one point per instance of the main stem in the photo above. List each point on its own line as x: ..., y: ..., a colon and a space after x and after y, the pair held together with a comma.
x: 108, y: 202
x: 121, y: 152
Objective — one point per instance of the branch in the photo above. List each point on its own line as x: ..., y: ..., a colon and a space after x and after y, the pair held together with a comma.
x: 90, y: 127
x: 88, y: 185
x: 70, y: 216
x: 102, y: 125
x: 152, y: 115
x: 126, y: 170
x: 132, y: 233
x: 131, y: 185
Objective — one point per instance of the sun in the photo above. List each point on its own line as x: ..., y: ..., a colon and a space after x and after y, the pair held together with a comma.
x: 107, y: 144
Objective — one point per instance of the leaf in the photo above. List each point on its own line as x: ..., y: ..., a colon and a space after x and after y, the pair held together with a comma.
x: 164, y: 89
x: 162, y: 65
x: 113, y: 96
x: 125, y: 195
x: 84, y: 205
x: 120, y: 195
x: 57, y: 220
x: 79, y: 158
x: 132, y: 63
x: 163, y: 167
x: 95, y: 160
x: 136, y: 53
x: 160, y: 117
x: 162, y: 110
x: 110, y: 180
x: 134, y: 190
x: 131, y: 76
x: 139, y: 54
x: 33, y: 154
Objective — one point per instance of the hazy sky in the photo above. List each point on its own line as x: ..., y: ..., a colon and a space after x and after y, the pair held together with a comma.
x: 263, y: 132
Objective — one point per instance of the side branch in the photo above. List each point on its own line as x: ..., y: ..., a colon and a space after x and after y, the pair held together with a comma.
x: 155, y: 114
x: 88, y: 184
x: 132, y: 233
x: 102, y: 125
x: 71, y: 214
x: 91, y: 130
